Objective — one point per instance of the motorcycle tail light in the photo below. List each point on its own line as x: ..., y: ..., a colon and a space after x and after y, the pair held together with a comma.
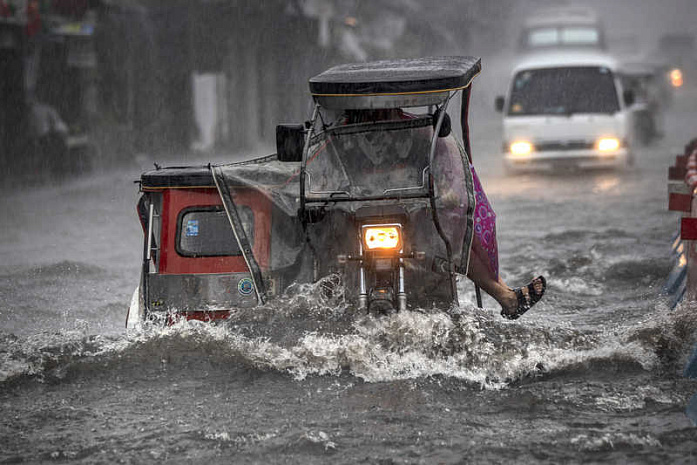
x: 383, y: 237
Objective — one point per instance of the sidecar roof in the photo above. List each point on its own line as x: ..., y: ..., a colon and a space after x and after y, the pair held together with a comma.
x: 413, y: 81
x: 177, y: 177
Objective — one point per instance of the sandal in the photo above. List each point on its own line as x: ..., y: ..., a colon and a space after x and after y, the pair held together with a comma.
x: 527, y: 300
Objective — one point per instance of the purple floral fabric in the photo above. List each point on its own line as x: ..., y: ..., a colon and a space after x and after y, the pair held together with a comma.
x: 484, y: 244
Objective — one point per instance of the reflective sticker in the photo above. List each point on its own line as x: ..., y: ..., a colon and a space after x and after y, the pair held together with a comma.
x: 245, y: 286
x: 192, y: 228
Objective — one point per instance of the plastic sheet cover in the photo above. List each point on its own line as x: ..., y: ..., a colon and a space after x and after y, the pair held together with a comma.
x: 387, y: 163
x: 373, y: 164
x: 366, y: 160
x: 279, y: 182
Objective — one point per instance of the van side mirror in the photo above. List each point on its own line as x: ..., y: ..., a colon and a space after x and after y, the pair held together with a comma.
x: 290, y: 141
x: 499, y: 103
x: 629, y: 97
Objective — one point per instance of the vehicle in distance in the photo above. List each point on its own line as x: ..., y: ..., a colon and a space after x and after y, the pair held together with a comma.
x: 562, y: 27
x: 566, y: 109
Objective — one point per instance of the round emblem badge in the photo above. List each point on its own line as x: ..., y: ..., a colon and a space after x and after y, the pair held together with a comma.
x: 245, y: 286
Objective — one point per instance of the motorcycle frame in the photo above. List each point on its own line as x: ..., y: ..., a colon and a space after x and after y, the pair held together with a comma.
x: 365, y: 256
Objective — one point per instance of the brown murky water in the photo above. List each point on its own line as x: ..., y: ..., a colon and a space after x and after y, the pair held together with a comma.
x: 591, y: 374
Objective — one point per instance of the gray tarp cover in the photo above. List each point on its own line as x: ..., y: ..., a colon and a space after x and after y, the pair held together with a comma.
x: 279, y: 182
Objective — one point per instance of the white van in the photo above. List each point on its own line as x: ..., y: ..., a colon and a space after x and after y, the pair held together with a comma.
x: 566, y: 109
x: 562, y: 27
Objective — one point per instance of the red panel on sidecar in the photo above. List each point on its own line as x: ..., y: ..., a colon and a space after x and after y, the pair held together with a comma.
x: 176, y: 200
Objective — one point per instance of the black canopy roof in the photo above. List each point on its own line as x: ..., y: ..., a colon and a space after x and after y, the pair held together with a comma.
x: 192, y: 176
x: 417, y: 75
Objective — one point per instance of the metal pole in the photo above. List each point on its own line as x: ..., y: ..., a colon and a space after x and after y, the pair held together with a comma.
x: 362, y: 289
x: 147, y: 256
x: 432, y: 199
x: 464, y: 124
x: 303, y: 164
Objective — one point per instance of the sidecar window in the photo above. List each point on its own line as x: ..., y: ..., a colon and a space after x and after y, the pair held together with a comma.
x: 370, y: 159
x: 206, y: 232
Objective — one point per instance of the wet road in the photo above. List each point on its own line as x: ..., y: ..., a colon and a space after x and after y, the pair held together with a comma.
x: 591, y: 374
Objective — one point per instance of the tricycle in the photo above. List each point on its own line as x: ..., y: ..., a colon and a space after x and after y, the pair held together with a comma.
x: 373, y: 193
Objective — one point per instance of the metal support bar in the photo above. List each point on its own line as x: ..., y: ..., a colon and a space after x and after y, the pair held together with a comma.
x: 303, y: 165
x: 240, y: 235
x: 401, y: 293
x: 362, y: 291
x: 147, y: 256
x: 464, y: 124
x: 434, y: 210
x: 149, y: 241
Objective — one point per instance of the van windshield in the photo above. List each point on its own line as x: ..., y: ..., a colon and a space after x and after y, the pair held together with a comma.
x: 563, y: 91
x: 568, y: 35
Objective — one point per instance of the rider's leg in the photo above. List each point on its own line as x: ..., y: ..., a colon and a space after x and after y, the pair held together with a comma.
x: 511, y: 307
x: 483, y: 262
x: 479, y: 272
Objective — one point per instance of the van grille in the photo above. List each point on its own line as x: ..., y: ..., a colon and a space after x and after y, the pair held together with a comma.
x: 559, y: 146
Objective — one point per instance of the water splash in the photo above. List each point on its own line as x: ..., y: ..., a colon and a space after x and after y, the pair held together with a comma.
x: 608, y: 441
x: 307, y: 333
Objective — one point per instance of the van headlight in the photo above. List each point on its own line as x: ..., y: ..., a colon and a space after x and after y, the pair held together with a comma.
x: 676, y: 77
x: 382, y: 237
x: 521, y: 148
x: 608, y: 144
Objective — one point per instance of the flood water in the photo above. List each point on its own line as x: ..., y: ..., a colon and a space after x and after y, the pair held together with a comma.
x: 590, y: 374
